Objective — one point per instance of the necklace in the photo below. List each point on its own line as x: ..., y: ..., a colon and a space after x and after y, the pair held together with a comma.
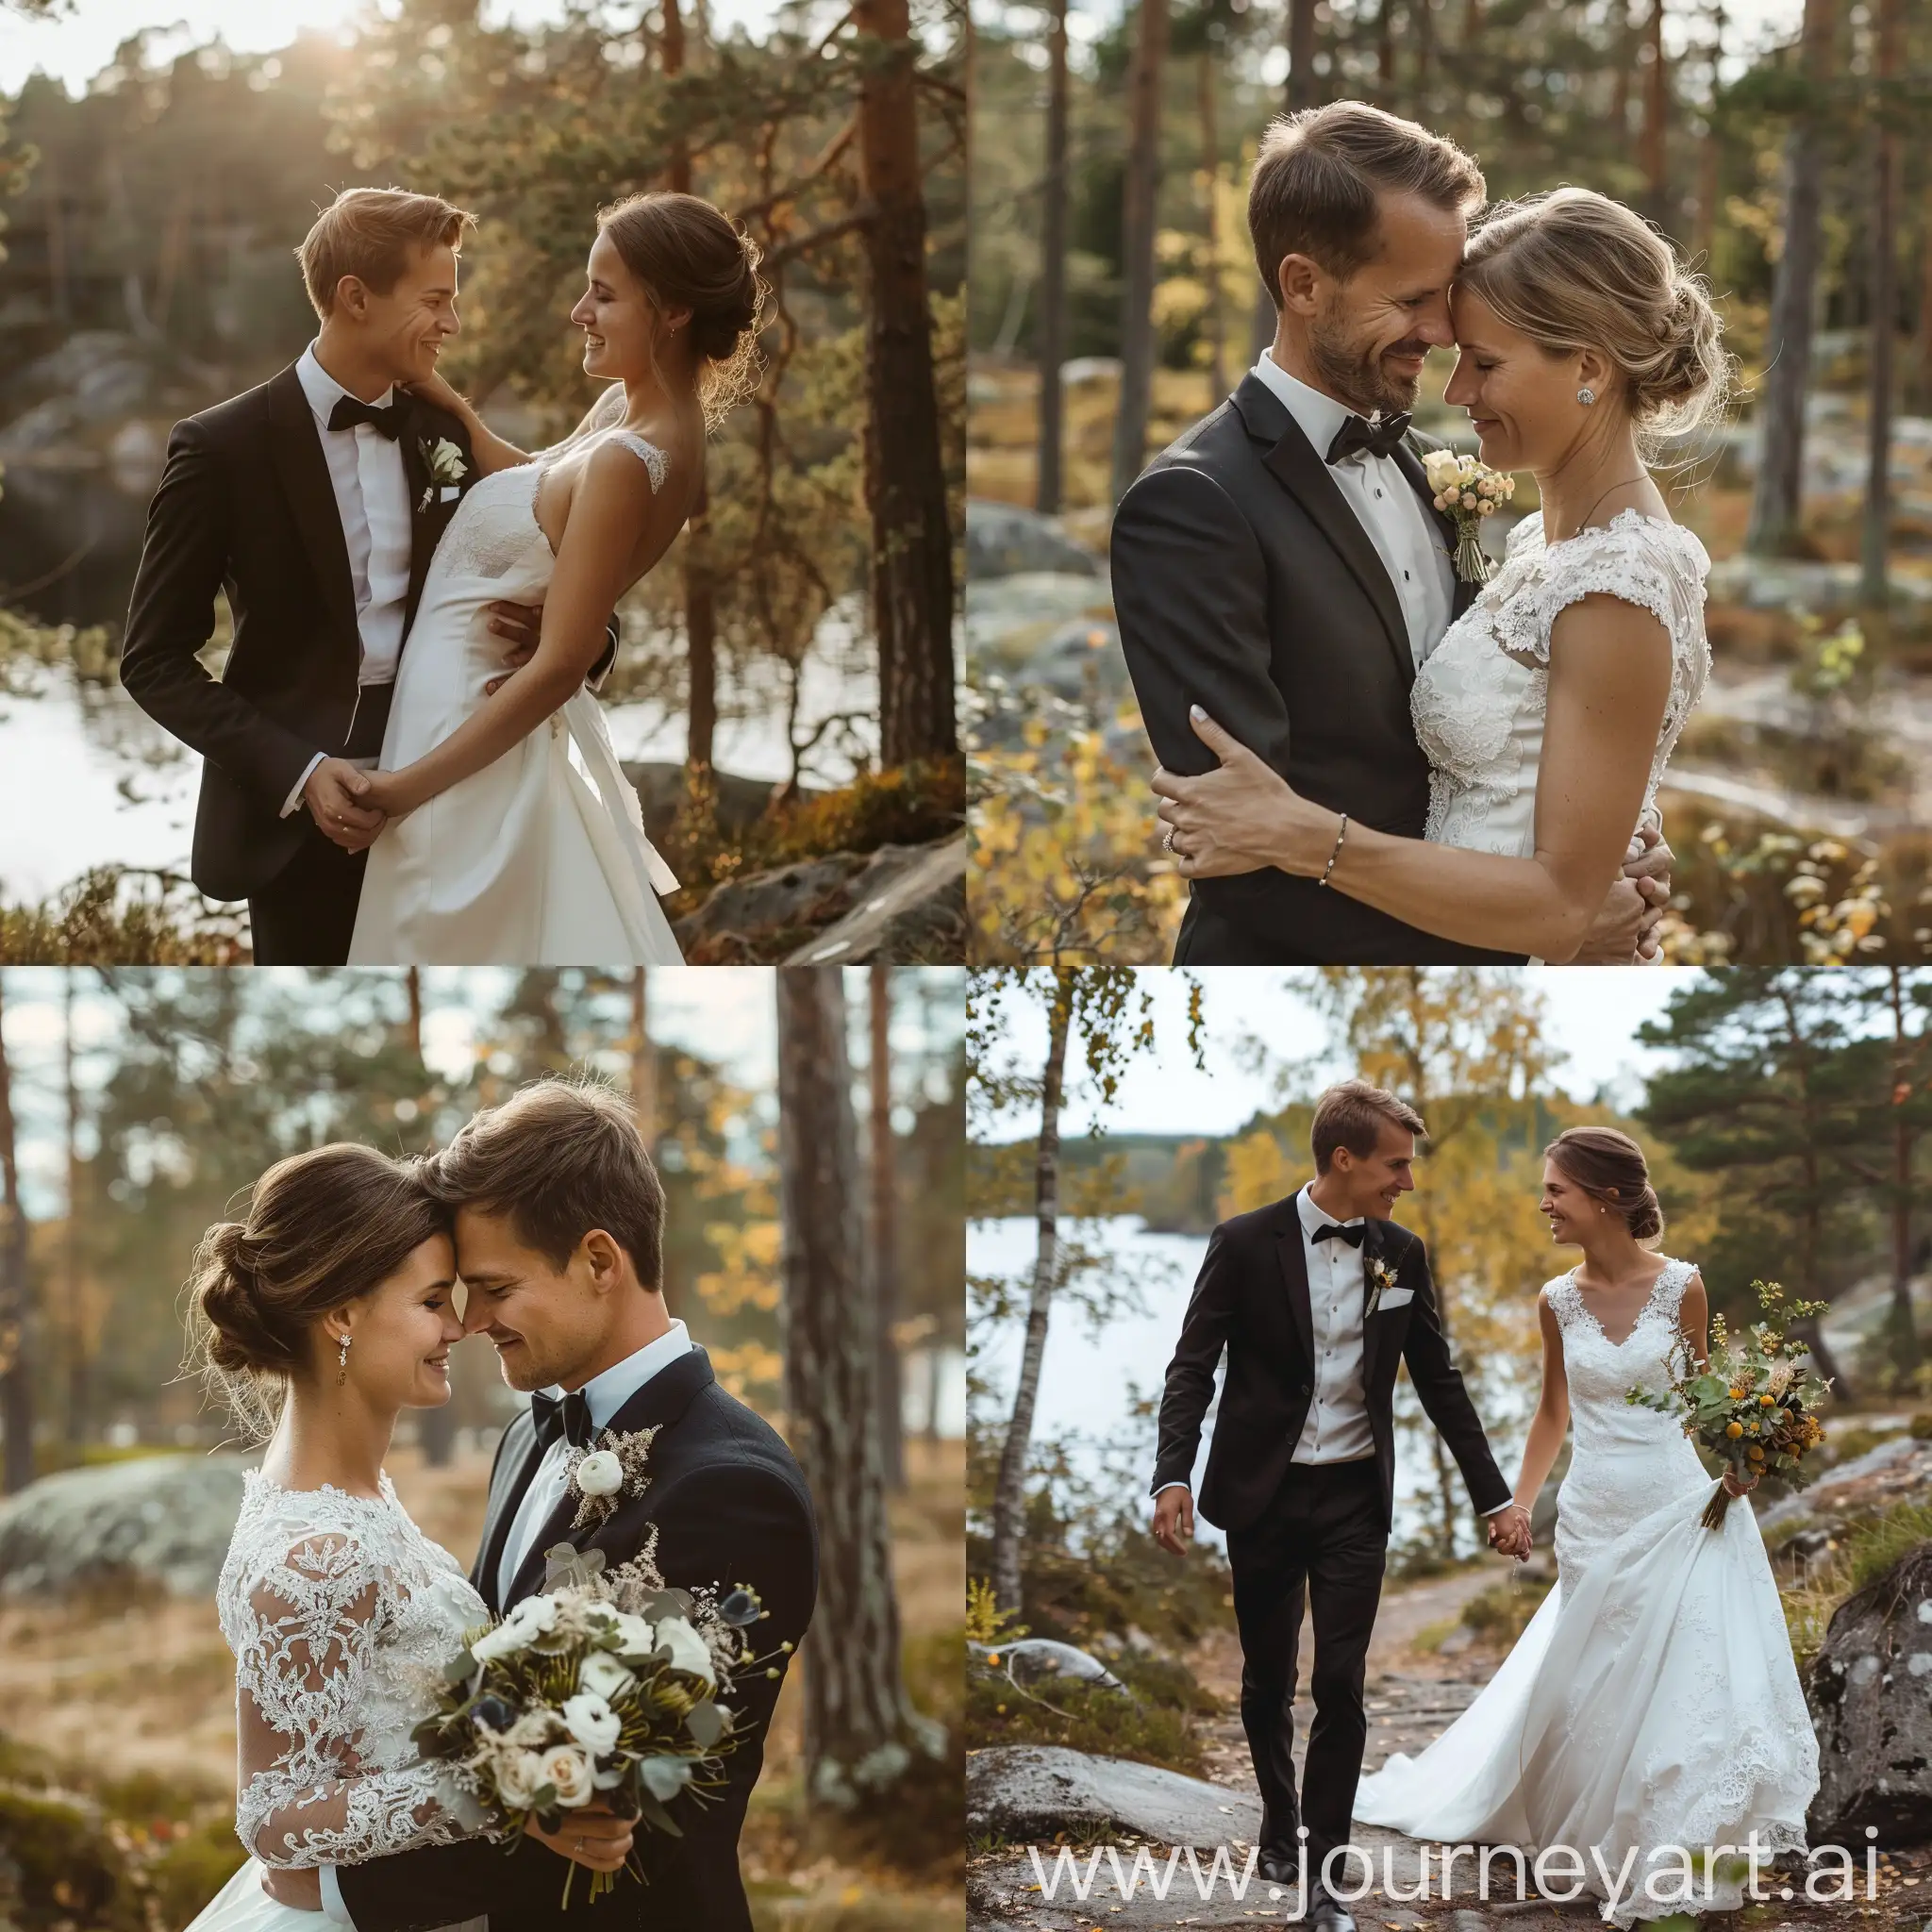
x: 1583, y: 522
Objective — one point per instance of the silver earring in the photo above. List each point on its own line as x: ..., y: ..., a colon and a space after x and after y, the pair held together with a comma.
x: 1586, y: 396
x: 342, y: 1363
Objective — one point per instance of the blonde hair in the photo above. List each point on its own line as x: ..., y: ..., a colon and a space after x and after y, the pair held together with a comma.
x: 368, y: 233
x: 689, y: 254
x: 1571, y: 269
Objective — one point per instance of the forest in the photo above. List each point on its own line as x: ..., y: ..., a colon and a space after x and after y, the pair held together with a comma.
x: 1114, y: 300
x: 785, y: 687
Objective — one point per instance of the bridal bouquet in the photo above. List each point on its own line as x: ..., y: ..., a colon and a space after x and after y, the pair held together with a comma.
x: 607, y: 1684
x: 1752, y: 1401
x: 1470, y: 491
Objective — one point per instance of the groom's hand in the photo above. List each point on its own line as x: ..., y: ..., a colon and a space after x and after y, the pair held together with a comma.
x: 1173, y: 1520
x: 1509, y: 1533
x: 523, y: 624
x: 334, y: 793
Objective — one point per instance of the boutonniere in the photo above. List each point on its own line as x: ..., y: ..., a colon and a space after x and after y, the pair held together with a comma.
x: 446, y: 467
x: 615, y: 1468
x: 1470, y: 491
x: 1381, y: 1276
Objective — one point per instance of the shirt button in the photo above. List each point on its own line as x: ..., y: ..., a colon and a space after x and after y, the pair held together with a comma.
x: 1378, y: 492
x: 1404, y: 577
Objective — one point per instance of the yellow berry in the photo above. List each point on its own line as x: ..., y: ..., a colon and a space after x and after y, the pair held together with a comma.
x: 1734, y: 1428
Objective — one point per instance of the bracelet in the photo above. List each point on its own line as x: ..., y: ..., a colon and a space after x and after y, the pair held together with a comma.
x: 1341, y: 833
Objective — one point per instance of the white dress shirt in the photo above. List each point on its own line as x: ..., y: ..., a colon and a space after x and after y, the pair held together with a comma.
x: 605, y: 1396
x: 365, y: 470
x: 1395, y: 519
x: 1336, y: 1428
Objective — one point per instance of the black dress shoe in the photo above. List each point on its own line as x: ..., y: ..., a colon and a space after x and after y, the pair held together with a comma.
x: 1326, y: 1913
x: 1278, y: 1866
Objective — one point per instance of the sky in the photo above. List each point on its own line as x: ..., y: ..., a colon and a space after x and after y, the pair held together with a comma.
x: 74, y: 46
x: 1592, y: 1016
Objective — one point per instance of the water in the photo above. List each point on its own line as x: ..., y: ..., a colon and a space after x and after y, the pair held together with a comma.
x: 1088, y: 1380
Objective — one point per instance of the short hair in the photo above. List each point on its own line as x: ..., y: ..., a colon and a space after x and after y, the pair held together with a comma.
x: 368, y: 233
x: 1352, y: 1116
x: 1318, y: 176
x: 559, y: 1158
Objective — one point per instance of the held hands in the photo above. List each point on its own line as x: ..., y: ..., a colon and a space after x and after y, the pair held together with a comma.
x: 1508, y: 1531
x: 594, y: 1837
x: 523, y: 624
x: 1173, y: 1520
x: 340, y: 800
x: 1239, y: 818
x: 1625, y: 927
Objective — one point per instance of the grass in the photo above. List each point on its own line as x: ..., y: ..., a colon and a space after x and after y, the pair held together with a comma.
x: 1152, y: 1723
x: 117, y: 915
x: 1497, y: 1616
x: 1865, y: 1552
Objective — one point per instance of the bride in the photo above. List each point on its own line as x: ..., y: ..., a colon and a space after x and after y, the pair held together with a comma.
x: 320, y: 1318
x: 509, y: 842
x: 1652, y: 1702
x: 1549, y: 709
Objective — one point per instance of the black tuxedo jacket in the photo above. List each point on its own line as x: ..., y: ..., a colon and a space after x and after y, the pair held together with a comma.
x: 730, y: 1506
x: 1252, y: 1298
x: 1245, y: 582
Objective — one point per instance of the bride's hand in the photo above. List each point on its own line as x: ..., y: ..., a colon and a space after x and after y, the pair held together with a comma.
x: 391, y: 793
x: 1737, y: 1487
x: 438, y: 393
x: 594, y: 1837
x: 297, y: 1885
x: 1241, y: 817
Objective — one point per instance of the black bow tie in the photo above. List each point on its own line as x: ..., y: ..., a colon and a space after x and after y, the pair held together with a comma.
x: 1335, y: 1231
x: 569, y: 1419
x: 1379, y: 438
x: 348, y: 413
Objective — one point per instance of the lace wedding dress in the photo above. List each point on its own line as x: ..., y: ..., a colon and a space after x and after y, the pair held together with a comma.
x: 1652, y: 1701
x: 540, y: 858
x: 1479, y: 699
x: 341, y: 1613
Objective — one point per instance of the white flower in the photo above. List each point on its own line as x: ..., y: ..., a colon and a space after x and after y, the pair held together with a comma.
x: 520, y: 1775
x: 533, y: 1731
x: 1440, y: 466
x: 602, y: 1675
x: 600, y: 1473
x: 568, y: 1769
x: 635, y: 1634
x: 689, y: 1651
x: 446, y: 461
x: 592, y: 1723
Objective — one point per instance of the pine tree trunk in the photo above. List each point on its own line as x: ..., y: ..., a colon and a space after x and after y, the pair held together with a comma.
x: 16, y: 1374
x: 1883, y: 303
x: 1776, y: 499
x: 1656, y: 95
x: 856, y: 1709
x: 1210, y: 166
x: 1049, y: 483
x: 1904, y: 1328
x: 904, y: 469
x: 885, y: 1227
x: 1709, y: 153
x: 79, y: 1326
x: 1010, y: 1491
x: 1139, y: 214
x: 643, y: 1062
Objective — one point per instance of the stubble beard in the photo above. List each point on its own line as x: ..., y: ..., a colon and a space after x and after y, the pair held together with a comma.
x: 1354, y: 373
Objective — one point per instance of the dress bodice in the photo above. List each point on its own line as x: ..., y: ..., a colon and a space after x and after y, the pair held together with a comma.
x: 340, y: 1614
x: 1479, y: 700
x: 1626, y: 1459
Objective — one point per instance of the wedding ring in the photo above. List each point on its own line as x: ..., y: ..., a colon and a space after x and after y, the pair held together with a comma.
x: 1167, y: 838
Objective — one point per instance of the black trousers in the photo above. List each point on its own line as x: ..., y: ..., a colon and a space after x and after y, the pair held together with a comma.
x: 306, y: 915
x: 1321, y: 1539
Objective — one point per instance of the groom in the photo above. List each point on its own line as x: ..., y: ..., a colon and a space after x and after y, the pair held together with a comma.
x: 560, y: 1227
x: 1316, y: 1300
x: 1282, y: 564
x: 316, y: 500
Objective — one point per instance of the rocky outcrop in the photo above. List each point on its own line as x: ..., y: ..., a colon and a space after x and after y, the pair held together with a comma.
x: 1868, y: 1692
x: 1027, y: 1792
x: 1034, y: 1658
x: 910, y: 911
x: 1001, y: 540
x: 165, y: 1519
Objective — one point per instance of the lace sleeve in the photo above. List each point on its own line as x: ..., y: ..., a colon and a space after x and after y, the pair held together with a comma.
x: 647, y: 453
x: 312, y: 1629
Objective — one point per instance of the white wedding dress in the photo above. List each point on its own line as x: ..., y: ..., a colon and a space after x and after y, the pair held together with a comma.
x: 341, y: 1613
x: 1479, y: 698
x: 1652, y: 1701
x: 540, y: 858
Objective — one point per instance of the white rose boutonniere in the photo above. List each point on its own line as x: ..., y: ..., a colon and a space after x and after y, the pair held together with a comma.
x: 601, y: 1476
x: 446, y: 467
x: 1381, y: 1277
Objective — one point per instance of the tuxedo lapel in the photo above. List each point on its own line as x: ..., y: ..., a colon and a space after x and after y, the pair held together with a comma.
x: 303, y: 470
x: 659, y: 1403
x: 1300, y: 468
x: 503, y: 1498
x: 1411, y: 466
x: 1294, y: 1275
x: 1372, y: 1330
x: 428, y: 514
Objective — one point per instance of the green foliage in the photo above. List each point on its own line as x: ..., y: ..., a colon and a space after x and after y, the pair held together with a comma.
x: 67, y: 1866
x: 1866, y: 1549
x: 117, y: 915
x: 193, y: 1869
x: 1501, y: 1613
x: 1152, y: 1727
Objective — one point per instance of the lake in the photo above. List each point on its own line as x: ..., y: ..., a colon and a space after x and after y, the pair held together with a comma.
x: 1087, y: 1379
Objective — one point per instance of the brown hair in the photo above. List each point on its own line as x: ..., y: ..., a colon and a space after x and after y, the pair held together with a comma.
x: 1610, y: 1167
x: 320, y: 1228
x: 1571, y: 269
x: 559, y: 1158
x: 689, y: 254
x: 368, y: 233
x: 1352, y: 1116
x: 1319, y: 175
